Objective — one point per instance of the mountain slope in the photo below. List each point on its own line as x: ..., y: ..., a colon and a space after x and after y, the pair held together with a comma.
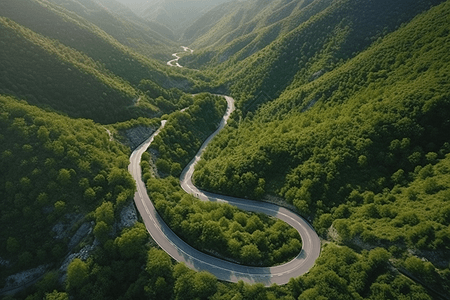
x: 363, y: 149
x: 54, y: 171
x: 122, y: 24
x: 365, y: 129
x: 304, y: 45
x: 55, y: 76
x: 231, y: 20
x: 174, y: 14
x: 56, y: 59
x: 76, y: 32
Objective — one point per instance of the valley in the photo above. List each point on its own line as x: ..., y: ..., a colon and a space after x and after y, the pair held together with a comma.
x: 323, y: 174
x: 198, y: 261
x: 174, y: 62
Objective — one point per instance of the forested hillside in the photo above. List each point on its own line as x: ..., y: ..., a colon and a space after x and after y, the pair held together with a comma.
x: 343, y: 115
x: 243, y: 20
x: 173, y: 14
x: 121, y: 23
x: 49, y: 74
x: 76, y: 32
x: 58, y: 60
x: 218, y: 229
x: 54, y: 171
x: 297, y: 48
x: 362, y: 149
x: 64, y: 180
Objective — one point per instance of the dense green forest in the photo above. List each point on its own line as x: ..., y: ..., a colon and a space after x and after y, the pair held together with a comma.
x: 363, y: 148
x: 78, y: 33
x: 54, y: 172
x: 219, y: 229
x: 127, y: 266
x: 343, y: 114
x: 127, y: 28
x: 184, y: 133
x: 284, y: 44
x: 71, y: 79
x: 56, y: 59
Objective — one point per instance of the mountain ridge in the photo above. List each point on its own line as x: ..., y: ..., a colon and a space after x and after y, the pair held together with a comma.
x: 342, y: 114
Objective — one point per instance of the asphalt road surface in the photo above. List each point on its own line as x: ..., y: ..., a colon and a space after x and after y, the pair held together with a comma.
x: 174, y: 62
x: 194, y: 259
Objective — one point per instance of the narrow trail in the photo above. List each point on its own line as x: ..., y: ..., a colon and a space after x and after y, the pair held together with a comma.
x: 199, y: 261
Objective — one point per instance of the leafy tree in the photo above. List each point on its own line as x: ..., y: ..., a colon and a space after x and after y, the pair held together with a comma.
x: 101, y: 231
x: 105, y: 213
x: 250, y: 253
x: 77, y: 274
x: 12, y: 245
x: 55, y: 295
x: 132, y: 241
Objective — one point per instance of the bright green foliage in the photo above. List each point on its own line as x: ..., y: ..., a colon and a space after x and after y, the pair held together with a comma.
x: 148, y: 39
x: 308, y: 144
x: 159, y: 264
x: 220, y: 229
x: 260, y: 48
x: 185, y: 131
x: 78, y: 33
x: 77, y: 274
x: 340, y: 273
x: 60, y: 175
x: 193, y: 285
x: 356, y: 137
x: 132, y: 241
x: 363, y: 147
x: 55, y: 295
x: 166, y: 100
x: 415, y: 216
x: 54, y: 58
x: 105, y: 213
x: 71, y: 81
x: 101, y: 231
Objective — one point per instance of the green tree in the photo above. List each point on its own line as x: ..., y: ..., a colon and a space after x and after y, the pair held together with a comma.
x: 159, y: 264
x: 60, y: 207
x: 64, y: 176
x: 101, y: 231
x: 55, y: 295
x: 212, y: 236
x: 205, y: 285
x: 12, y: 245
x: 132, y: 241
x: 89, y: 194
x: 250, y: 253
x: 77, y: 274
x: 105, y: 213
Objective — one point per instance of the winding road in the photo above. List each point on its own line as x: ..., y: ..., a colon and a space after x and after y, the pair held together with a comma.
x: 194, y: 259
x: 174, y: 62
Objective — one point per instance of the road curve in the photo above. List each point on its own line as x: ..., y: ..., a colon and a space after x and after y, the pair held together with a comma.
x: 199, y: 261
x: 174, y: 62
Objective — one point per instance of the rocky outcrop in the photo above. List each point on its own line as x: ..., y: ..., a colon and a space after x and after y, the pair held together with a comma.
x: 137, y: 135
x: 128, y: 216
x: 19, y: 281
x: 82, y: 232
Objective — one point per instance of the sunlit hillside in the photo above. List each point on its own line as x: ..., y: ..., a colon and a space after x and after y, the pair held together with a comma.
x: 326, y: 176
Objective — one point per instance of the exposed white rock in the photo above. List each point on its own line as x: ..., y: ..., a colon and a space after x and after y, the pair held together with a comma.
x: 60, y: 230
x: 24, y: 277
x: 4, y: 262
x: 84, y: 230
x: 128, y: 216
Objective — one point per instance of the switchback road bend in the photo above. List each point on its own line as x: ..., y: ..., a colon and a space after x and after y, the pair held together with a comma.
x: 194, y: 259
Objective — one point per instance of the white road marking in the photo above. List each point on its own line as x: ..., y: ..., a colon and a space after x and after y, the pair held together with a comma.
x: 258, y: 274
